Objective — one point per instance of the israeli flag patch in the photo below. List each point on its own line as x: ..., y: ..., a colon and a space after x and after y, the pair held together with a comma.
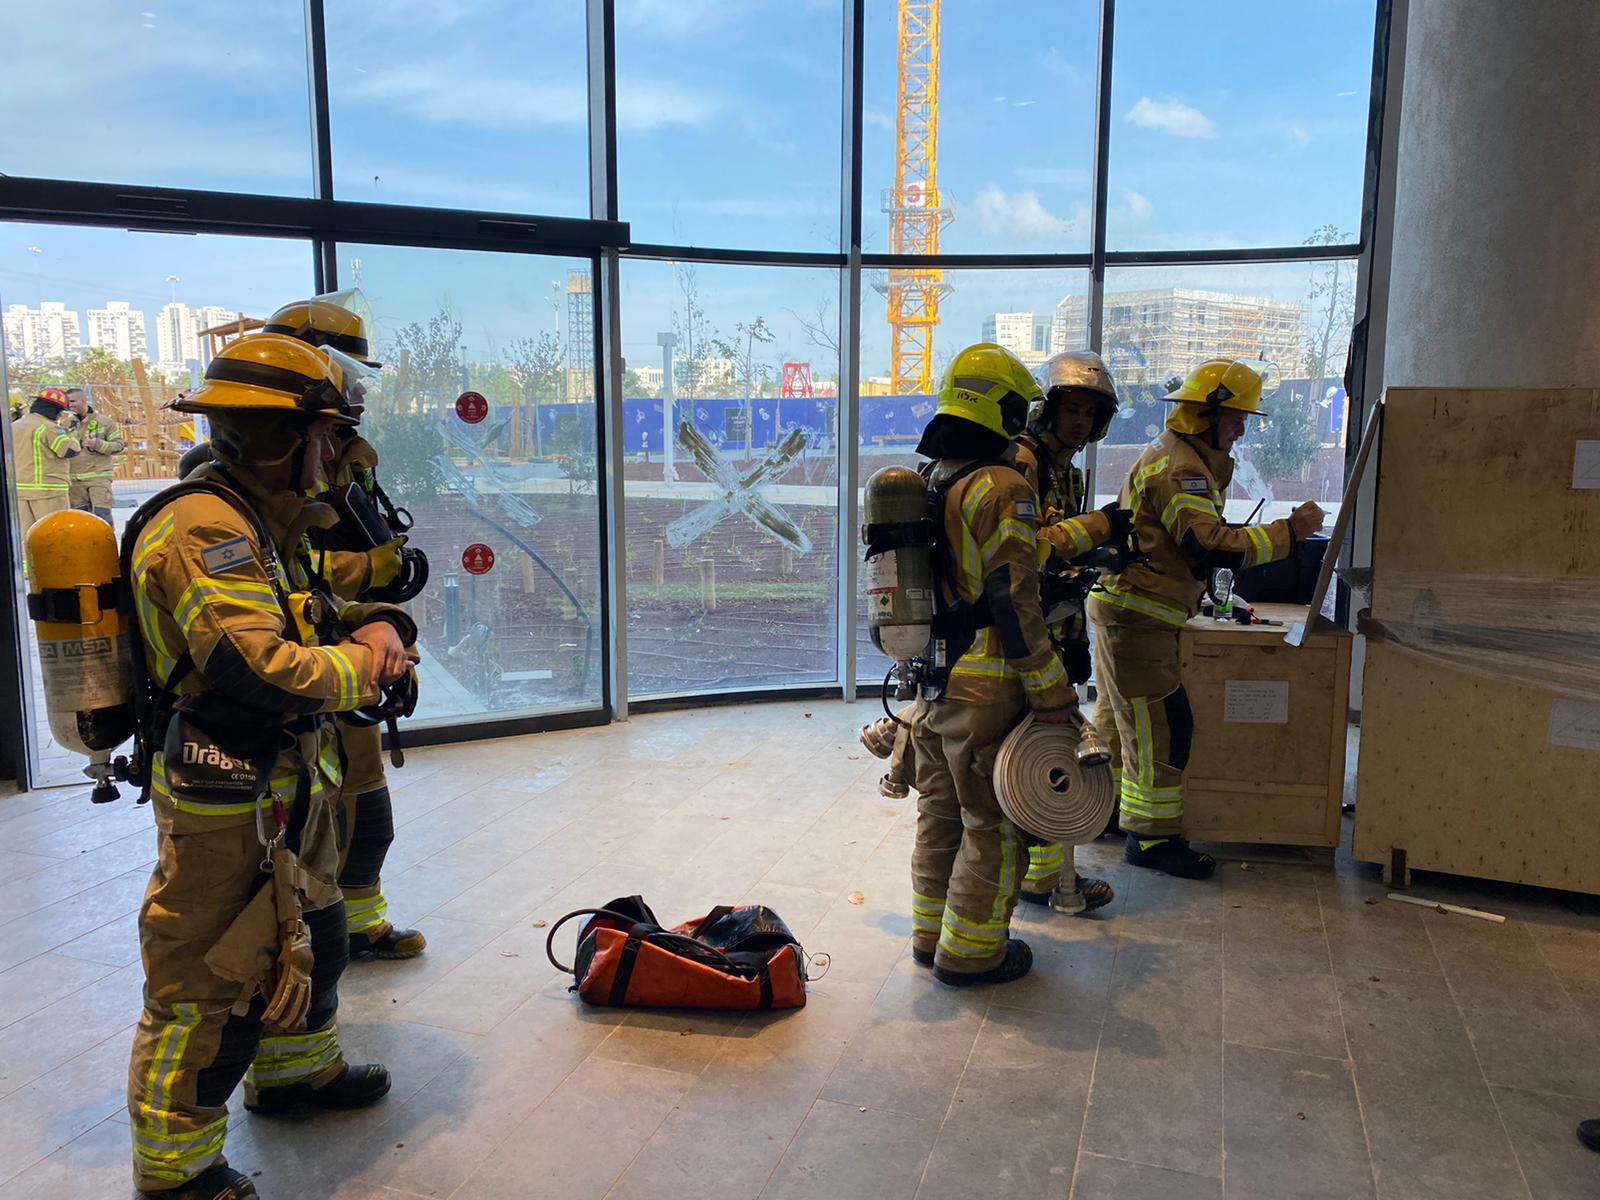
x: 1194, y: 483
x: 1027, y: 511
x: 228, y: 555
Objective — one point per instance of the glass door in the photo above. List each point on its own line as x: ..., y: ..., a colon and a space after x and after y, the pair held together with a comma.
x: 486, y: 427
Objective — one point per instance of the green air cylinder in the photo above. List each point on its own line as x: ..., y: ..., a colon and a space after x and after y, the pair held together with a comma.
x: 898, y: 534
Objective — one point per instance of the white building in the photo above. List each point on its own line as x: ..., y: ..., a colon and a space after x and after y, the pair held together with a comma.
x: 1025, y: 334
x: 176, y: 340
x: 210, y: 317
x: 650, y: 378
x: 118, y: 329
x: 47, y: 332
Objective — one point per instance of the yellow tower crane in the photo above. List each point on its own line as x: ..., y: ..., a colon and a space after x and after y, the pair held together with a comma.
x: 915, y: 213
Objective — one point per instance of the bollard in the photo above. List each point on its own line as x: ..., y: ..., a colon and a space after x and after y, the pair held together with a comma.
x: 660, y: 571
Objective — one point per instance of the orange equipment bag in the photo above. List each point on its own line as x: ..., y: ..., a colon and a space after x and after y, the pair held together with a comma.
x: 731, y: 958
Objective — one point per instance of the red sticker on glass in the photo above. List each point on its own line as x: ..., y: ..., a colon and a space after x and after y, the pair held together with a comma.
x: 471, y: 407
x: 477, y: 559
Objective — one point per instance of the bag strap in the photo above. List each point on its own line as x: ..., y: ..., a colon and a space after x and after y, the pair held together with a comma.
x: 630, y: 955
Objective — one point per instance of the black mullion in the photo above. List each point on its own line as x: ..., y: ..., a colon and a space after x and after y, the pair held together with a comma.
x: 317, y: 79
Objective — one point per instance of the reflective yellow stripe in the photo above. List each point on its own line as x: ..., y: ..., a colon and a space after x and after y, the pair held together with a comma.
x: 1151, y: 469
x: 282, y: 787
x: 1010, y: 529
x: 974, y: 496
x: 179, y: 1157
x: 1167, y: 613
x: 1011, y: 850
x: 1163, y: 804
x: 155, y: 538
x: 1044, y: 865
x: 206, y: 592
x: 1181, y: 501
x: 294, y: 1057
x: 1261, y: 545
x: 364, y: 913
x: 165, y: 1064
x: 927, y: 913
x: 349, y: 683
x: 1081, y: 544
x: 1046, y: 678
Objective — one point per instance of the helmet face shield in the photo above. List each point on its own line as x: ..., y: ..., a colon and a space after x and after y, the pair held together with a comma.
x: 362, y: 382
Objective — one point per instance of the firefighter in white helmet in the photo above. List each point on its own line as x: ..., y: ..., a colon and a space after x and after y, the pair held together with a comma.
x: 1079, y: 401
x: 244, y: 657
x: 1177, y: 490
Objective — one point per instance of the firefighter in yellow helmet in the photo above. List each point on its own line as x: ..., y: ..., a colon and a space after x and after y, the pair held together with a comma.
x: 369, y: 811
x: 1177, y: 490
x: 244, y: 655
x: 968, y: 861
x: 1079, y: 401
x: 95, y: 468
x: 41, y: 453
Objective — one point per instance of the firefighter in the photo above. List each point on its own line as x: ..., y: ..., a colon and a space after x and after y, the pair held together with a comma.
x: 42, y: 451
x: 95, y: 468
x: 248, y: 658
x: 369, y: 813
x: 968, y: 862
x: 1176, y: 490
x: 1079, y: 401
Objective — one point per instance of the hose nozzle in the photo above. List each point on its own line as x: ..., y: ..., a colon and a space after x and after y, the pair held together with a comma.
x: 1092, y: 752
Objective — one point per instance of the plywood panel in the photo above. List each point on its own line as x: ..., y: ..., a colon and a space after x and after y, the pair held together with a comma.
x: 1479, y: 482
x: 1459, y: 772
x: 1272, y: 783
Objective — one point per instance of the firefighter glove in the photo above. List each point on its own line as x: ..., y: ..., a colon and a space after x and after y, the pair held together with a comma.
x: 386, y: 562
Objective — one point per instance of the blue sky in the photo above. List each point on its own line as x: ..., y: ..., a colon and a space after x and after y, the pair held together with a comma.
x: 1234, y: 123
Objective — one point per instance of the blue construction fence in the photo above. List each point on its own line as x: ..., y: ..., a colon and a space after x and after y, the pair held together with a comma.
x: 890, y: 421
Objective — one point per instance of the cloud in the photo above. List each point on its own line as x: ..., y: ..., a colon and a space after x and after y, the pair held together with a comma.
x: 1300, y: 134
x: 1057, y: 64
x: 1054, y: 176
x: 450, y: 93
x: 1139, y: 208
x: 877, y: 117
x: 1016, y: 215
x: 1171, y: 116
x: 675, y: 19
x: 1023, y: 103
x: 1349, y: 93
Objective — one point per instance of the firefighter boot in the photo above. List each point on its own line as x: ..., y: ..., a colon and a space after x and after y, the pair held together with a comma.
x: 220, y: 1182
x: 1017, y: 963
x: 1088, y: 895
x: 355, y: 1087
x: 1171, y: 855
x: 385, y: 941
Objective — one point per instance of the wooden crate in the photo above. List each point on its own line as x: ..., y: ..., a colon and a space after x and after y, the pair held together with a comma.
x: 1269, y: 752
x: 1463, y: 772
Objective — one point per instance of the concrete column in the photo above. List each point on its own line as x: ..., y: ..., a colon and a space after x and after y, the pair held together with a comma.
x: 1496, y: 253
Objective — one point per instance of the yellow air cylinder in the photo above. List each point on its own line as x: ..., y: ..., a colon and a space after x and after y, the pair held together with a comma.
x: 84, y: 660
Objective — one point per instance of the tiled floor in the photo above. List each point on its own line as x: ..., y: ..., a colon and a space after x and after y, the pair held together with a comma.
x: 1279, y: 1032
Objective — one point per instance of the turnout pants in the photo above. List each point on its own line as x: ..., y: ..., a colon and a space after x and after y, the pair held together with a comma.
x: 369, y: 829
x: 32, y: 506
x: 1048, y: 866
x: 968, y: 862
x: 191, y: 1050
x: 92, y: 495
x: 1143, y: 715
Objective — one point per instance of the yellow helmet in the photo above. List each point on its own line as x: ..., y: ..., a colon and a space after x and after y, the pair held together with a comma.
x: 1218, y: 383
x: 988, y: 386
x: 322, y: 321
x: 270, y: 373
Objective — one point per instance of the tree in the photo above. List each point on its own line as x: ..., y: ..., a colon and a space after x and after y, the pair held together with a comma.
x: 535, y: 364
x: 1287, y: 442
x: 430, y: 370
x: 749, y: 375
x: 692, y: 329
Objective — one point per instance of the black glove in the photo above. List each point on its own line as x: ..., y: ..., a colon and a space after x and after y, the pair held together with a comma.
x: 1121, y: 523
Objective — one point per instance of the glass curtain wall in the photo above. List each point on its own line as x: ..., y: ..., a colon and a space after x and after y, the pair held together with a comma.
x: 1159, y: 180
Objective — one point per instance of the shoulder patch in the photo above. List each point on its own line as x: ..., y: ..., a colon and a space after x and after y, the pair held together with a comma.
x: 1026, y: 510
x: 1194, y: 483
x: 228, y: 555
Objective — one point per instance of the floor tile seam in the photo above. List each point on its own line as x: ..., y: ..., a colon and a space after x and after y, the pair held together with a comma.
x: 143, y: 831
x: 1566, y: 991
x: 52, y: 949
x: 110, y: 971
x: 1500, y: 1116
x: 1593, y: 1099
x: 650, y: 1137
x: 1139, y: 1162
x: 28, y: 1166
x: 497, y: 1143
x: 1094, y: 1066
x: 1240, y: 1044
x: 88, y: 887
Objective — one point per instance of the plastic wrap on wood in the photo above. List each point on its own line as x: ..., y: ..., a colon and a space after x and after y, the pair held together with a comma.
x: 1535, y: 632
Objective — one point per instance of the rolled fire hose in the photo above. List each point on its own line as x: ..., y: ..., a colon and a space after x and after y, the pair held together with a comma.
x: 1046, y: 791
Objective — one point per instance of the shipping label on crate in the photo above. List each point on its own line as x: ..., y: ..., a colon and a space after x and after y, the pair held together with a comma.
x: 1257, y: 702
x: 1573, y: 723
x: 1586, y: 466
